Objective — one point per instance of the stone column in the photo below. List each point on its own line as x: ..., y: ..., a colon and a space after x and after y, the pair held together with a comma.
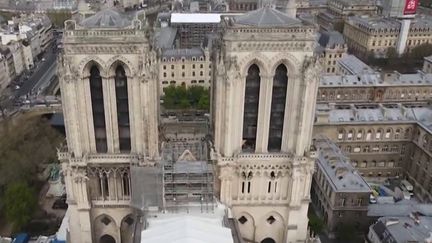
x: 143, y: 117
x: 131, y: 106
x: 307, y: 108
x: 135, y: 116
x: 228, y: 118
x: 108, y: 92
x: 82, y: 111
x: 70, y: 106
x: 240, y: 85
x: 291, y: 113
x: 89, y: 115
x: 264, y: 109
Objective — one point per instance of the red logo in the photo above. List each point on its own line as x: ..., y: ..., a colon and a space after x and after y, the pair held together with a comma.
x: 410, y: 7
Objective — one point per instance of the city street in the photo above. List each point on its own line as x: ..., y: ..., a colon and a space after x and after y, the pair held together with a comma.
x: 41, y: 76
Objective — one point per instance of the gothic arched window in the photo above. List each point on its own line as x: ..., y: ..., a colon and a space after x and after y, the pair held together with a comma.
x: 251, y: 101
x: 98, y: 110
x: 277, y: 114
x: 122, y: 109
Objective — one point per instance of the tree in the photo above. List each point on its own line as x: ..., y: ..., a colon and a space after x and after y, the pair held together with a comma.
x: 391, y: 52
x: 204, y: 102
x: 421, y: 51
x: 182, y: 97
x: 59, y: 17
x: 20, y: 202
x: 316, y: 224
x: 346, y: 232
x: 26, y: 143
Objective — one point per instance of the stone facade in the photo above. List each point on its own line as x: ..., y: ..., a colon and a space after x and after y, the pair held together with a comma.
x: 108, y: 81
x: 265, y: 167
x: 185, y: 67
x: 109, y: 84
x: 339, y: 194
x: 387, y: 148
x: 375, y: 35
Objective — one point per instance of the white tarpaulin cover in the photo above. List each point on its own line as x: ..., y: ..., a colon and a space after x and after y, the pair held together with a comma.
x: 187, y: 228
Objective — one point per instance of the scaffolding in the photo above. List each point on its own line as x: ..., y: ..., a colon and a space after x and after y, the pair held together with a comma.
x: 187, y: 177
x: 146, y: 187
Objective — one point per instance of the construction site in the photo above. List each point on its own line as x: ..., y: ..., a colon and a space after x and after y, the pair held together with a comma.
x: 182, y: 180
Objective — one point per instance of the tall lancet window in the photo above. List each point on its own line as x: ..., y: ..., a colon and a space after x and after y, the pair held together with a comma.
x: 280, y: 83
x: 122, y: 109
x: 250, y: 116
x: 98, y: 110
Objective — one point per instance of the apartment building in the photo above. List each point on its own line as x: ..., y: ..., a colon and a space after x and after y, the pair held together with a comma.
x: 383, y: 140
x: 338, y: 192
x: 348, y: 8
x: 185, y: 67
x: 371, y: 86
x: 367, y: 36
x: 332, y: 48
x: 427, y: 64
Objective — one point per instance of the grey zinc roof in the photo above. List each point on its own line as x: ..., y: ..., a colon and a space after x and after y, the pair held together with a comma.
x: 398, y: 210
x: 337, y: 168
x: 179, y: 53
x: 404, y: 229
x: 166, y: 37
x: 376, y: 80
x: 354, y: 65
x: 331, y: 38
x: 108, y: 18
x: 267, y: 17
x: 378, y: 113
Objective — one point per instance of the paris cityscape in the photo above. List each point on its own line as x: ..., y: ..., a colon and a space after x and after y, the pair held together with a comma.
x: 215, y: 121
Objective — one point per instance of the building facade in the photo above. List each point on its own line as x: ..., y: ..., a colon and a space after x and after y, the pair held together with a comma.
x: 383, y: 140
x: 263, y: 108
x: 375, y: 35
x: 339, y: 194
x: 332, y: 49
x: 4, y: 73
x: 110, y: 100
x: 347, y: 8
x: 185, y: 67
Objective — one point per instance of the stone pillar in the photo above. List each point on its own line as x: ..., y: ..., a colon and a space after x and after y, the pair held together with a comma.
x: 135, y: 116
x: 240, y: 85
x: 71, y: 122
x: 228, y: 148
x: 144, y: 113
x: 264, y: 109
x: 82, y: 111
x: 110, y: 111
x: 89, y: 115
x: 307, y: 111
x: 291, y: 114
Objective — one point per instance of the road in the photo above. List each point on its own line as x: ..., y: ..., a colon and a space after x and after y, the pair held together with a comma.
x: 41, y: 76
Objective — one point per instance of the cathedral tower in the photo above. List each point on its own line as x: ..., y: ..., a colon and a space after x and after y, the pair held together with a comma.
x: 110, y: 101
x: 263, y: 113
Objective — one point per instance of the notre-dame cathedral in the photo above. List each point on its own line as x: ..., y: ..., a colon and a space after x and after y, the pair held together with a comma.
x: 265, y: 79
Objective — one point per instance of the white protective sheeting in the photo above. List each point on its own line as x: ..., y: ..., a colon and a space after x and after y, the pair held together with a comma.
x: 195, y: 18
x: 187, y: 228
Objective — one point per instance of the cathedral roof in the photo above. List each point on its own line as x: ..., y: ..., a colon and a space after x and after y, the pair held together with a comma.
x: 267, y: 17
x: 107, y: 18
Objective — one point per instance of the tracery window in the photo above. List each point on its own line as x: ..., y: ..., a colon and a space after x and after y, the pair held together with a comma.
x: 98, y: 110
x: 251, y: 102
x: 122, y: 109
x: 280, y: 84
